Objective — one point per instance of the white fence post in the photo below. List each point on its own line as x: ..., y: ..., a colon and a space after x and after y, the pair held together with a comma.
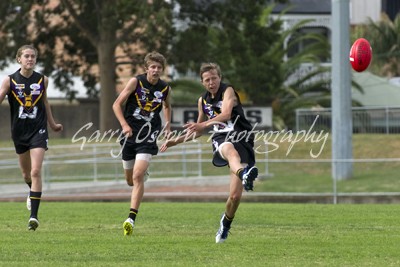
x: 95, y: 178
x: 200, y: 163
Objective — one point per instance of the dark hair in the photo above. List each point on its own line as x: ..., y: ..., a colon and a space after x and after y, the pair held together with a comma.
x: 209, y: 66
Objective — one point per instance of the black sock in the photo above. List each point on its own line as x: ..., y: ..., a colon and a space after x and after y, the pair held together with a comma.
x: 227, y: 221
x: 35, y: 202
x: 239, y: 173
x: 133, y: 213
x: 29, y: 184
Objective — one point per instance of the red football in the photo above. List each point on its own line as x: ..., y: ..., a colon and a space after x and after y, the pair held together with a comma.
x: 360, y: 54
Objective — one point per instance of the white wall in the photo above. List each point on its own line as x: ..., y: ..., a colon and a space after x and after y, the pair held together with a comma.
x: 360, y: 10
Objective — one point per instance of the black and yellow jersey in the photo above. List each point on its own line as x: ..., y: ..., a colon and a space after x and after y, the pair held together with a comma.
x: 143, y: 107
x: 28, y: 112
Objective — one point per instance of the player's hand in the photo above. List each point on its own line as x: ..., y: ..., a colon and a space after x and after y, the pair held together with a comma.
x: 57, y: 127
x: 193, y: 127
x: 166, y: 145
x: 167, y: 132
x: 127, y: 131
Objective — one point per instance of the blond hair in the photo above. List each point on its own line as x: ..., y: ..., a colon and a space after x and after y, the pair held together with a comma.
x: 155, y: 57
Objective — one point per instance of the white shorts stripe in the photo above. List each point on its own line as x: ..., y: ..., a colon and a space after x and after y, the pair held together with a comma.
x: 128, y: 164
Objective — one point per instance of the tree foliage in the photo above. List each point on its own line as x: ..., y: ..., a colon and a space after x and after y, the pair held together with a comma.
x: 311, y: 89
x: 384, y: 37
x: 77, y: 37
x: 81, y: 37
x: 230, y: 33
x: 186, y: 91
x: 251, y: 47
x: 14, y: 21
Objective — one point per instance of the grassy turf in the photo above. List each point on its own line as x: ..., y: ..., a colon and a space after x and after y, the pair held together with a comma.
x: 182, y: 234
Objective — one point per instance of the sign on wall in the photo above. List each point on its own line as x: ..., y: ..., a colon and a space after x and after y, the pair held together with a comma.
x: 259, y: 116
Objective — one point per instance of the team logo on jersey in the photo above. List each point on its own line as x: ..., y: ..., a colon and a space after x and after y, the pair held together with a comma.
x: 20, y: 86
x: 42, y: 131
x: 158, y: 94
x: 142, y: 114
x: 35, y: 86
x: 208, y: 110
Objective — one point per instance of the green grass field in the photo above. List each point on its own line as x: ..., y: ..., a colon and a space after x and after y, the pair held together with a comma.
x: 182, y: 234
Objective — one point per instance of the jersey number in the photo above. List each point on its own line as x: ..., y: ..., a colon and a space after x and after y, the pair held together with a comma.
x: 23, y: 114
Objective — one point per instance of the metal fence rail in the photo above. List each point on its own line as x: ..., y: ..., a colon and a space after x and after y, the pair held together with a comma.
x: 98, y: 161
x: 70, y: 163
x: 365, y: 119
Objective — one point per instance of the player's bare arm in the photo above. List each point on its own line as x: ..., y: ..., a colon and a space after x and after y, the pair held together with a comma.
x: 119, y: 103
x: 5, y: 87
x: 167, y: 112
x: 228, y: 102
x: 188, y: 134
x: 57, y: 127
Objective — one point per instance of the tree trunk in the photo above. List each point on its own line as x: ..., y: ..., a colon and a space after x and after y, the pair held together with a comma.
x: 106, y: 54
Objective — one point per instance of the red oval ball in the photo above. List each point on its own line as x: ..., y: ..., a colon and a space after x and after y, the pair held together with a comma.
x: 360, y: 55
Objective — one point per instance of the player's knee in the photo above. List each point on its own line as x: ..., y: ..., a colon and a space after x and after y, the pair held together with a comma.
x: 235, y: 198
x: 227, y: 150
x: 35, y: 173
x: 137, y: 177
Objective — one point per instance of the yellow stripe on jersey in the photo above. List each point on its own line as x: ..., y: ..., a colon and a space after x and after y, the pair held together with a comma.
x: 19, y: 100
x: 137, y: 96
x: 41, y: 93
x: 162, y: 91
